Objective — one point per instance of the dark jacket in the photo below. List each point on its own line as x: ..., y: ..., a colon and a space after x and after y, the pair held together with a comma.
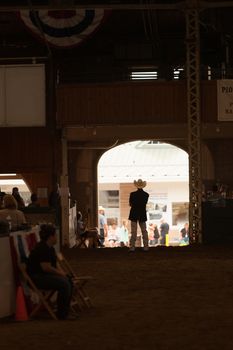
x: 138, y: 201
x: 164, y: 229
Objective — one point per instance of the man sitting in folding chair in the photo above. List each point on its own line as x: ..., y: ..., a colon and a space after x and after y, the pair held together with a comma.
x: 83, y: 234
x: 44, y: 271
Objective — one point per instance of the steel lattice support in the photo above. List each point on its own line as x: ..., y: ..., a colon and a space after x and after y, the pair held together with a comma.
x: 193, y: 113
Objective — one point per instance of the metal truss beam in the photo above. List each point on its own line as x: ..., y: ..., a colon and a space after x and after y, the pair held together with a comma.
x: 193, y: 114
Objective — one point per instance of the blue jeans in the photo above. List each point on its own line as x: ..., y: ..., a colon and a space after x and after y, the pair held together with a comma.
x: 63, y: 285
x: 133, y: 238
x: 101, y: 238
x: 163, y: 238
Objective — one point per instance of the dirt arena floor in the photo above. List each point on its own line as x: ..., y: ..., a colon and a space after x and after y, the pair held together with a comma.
x: 168, y: 298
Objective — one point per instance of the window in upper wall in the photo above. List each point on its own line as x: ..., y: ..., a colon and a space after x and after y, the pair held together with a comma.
x: 22, y: 95
x: 109, y: 199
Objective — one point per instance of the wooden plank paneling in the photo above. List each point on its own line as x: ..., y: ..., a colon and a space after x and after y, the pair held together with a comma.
x: 209, y: 101
x: 37, y: 180
x: 27, y: 148
x: 159, y: 103
x: 130, y: 103
x: 29, y: 152
x: 222, y: 151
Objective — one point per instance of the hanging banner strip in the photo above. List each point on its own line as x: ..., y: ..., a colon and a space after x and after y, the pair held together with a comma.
x: 63, y: 28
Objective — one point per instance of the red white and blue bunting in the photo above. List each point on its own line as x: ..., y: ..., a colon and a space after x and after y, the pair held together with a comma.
x: 63, y: 28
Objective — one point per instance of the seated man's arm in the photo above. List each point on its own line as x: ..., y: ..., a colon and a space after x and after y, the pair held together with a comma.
x: 48, y: 268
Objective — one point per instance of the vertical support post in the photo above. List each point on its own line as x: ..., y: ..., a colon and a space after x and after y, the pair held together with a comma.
x: 193, y: 104
x: 64, y: 193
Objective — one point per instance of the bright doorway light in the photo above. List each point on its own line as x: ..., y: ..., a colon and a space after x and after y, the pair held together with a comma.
x: 163, y: 166
x: 8, y: 181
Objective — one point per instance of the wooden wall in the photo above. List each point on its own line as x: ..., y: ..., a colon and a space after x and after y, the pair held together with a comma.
x: 125, y: 190
x: 24, y: 149
x: 32, y: 152
x: 131, y: 103
x: 145, y: 107
x: 222, y: 151
x: 208, y: 93
x: 36, y: 152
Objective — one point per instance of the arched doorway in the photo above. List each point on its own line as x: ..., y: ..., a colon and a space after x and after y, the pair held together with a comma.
x: 163, y: 166
x: 8, y: 181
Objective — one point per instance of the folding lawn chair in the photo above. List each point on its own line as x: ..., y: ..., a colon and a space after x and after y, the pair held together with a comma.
x: 43, y: 296
x: 84, y: 232
x: 81, y: 241
x: 89, y: 234
x: 79, y: 281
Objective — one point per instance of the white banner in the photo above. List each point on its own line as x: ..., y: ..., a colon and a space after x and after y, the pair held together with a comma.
x: 225, y: 99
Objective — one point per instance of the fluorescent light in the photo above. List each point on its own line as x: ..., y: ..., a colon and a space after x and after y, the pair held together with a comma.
x: 143, y: 75
x: 176, y: 72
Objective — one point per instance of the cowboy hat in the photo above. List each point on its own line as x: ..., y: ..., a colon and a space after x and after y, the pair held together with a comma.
x: 139, y: 183
x: 101, y: 208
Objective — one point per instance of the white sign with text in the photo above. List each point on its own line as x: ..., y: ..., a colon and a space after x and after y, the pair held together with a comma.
x: 225, y: 99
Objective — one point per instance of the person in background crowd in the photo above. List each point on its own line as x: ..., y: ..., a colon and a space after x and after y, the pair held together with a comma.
x: 91, y: 234
x: 34, y: 201
x: 103, y: 227
x: 156, y: 234
x: 137, y: 201
x: 113, y: 235
x: 216, y: 198
x: 124, y: 234
x: 164, y: 231
x: 184, y: 232
x: 151, y: 234
x: 79, y: 225
x: 10, y: 213
x: 2, y: 194
x: 43, y: 269
x: 215, y: 193
x: 19, y: 199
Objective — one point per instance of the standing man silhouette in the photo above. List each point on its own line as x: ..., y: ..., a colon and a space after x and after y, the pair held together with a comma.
x: 137, y: 201
x: 102, y: 226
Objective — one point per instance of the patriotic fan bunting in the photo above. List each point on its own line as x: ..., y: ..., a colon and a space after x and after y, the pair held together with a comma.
x: 63, y: 28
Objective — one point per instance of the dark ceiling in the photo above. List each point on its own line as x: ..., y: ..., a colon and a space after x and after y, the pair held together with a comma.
x: 133, y: 34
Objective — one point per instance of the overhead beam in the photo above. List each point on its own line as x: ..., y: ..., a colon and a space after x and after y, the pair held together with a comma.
x: 96, y: 134
x: 120, y: 6
x: 212, y: 5
x: 123, y: 6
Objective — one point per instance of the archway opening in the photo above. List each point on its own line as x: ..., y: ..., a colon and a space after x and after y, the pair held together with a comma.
x: 165, y: 169
x: 8, y: 181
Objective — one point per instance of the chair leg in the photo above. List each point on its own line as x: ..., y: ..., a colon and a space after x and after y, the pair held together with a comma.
x: 43, y: 301
x: 75, y: 304
x: 83, y: 296
x: 78, y: 282
x: 82, y: 242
